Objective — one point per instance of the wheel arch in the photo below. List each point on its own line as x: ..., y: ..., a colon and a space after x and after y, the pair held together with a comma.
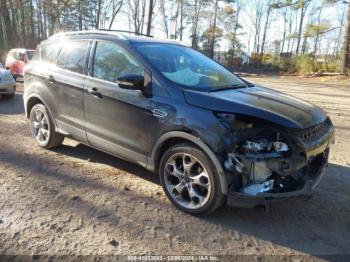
x: 34, y: 99
x: 175, y: 137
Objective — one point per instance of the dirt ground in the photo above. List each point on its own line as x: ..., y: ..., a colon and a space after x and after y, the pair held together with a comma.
x: 75, y: 200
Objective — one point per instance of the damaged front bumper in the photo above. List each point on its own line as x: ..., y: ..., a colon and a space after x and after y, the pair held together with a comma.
x: 316, y: 152
x: 238, y: 199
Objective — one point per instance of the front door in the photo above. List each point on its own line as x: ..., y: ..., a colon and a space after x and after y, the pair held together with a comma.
x: 119, y: 121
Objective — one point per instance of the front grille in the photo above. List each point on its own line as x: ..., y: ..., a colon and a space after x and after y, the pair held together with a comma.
x: 2, y: 90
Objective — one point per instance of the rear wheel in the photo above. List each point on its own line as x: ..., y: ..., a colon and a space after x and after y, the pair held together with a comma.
x: 42, y: 128
x: 189, y: 179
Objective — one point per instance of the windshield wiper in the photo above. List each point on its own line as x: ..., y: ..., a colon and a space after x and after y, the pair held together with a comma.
x: 229, y: 87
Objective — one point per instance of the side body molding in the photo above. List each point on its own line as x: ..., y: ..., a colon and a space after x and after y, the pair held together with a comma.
x: 197, y: 141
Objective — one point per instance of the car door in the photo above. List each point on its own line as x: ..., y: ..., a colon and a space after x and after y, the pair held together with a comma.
x: 118, y: 121
x: 67, y: 79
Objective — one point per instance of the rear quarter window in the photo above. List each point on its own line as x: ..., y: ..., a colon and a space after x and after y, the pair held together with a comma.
x: 73, y: 56
x: 49, y: 52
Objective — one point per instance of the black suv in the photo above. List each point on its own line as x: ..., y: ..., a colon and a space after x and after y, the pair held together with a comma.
x: 210, y: 135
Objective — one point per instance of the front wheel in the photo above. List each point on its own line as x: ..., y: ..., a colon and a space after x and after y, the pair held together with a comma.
x: 42, y: 128
x: 190, y: 180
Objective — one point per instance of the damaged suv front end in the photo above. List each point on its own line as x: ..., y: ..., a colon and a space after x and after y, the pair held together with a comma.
x: 270, y: 162
x: 274, y: 146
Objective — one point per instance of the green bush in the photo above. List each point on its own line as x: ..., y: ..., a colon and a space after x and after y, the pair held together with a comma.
x: 303, y: 65
x: 307, y: 65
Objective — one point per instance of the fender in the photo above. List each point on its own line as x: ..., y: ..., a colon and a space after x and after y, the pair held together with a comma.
x: 198, y: 142
x: 35, y: 95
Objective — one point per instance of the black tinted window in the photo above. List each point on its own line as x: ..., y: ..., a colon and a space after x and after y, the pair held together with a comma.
x: 50, y: 52
x: 73, y: 56
x: 111, y: 61
x: 30, y: 54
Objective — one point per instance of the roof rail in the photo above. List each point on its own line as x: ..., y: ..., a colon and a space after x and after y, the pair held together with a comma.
x: 125, y: 31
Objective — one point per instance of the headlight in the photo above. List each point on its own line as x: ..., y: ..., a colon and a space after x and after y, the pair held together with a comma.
x: 264, y: 146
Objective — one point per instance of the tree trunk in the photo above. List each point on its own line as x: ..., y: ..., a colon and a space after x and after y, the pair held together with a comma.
x: 23, y: 27
x: 181, y: 18
x: 346, y: 57
x: 150, y: 12
x: 32, y: 23
x: 212, y: 39
x: 265, y: 29
x: 98, y: 14
x: 301, y: 22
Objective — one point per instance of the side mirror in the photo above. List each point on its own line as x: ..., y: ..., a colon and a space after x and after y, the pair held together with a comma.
x: 131, y: 81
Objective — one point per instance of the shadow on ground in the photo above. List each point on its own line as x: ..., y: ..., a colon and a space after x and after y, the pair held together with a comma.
x: 13, y: 106
x: 320, y: 226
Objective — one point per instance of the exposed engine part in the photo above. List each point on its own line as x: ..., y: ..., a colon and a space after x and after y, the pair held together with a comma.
x: 280, y: 147
x: 259, y: 172
x: 233, y: 164
x: 258, y: 188
x: 253, y: 147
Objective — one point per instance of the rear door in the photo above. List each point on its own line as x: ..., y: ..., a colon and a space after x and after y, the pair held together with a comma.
x: 67, y: 82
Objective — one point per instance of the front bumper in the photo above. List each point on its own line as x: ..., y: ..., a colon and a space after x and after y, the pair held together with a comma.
x: 239, y: 199
x: 7, y: 88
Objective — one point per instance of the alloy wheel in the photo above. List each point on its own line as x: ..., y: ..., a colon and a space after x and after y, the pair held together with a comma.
x: 187, y: 180
x: 40, y: 127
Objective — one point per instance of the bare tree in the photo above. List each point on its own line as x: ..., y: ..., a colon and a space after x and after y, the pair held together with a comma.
x: 346, y: 57
x: 267, y: 23
x: 137, y: 13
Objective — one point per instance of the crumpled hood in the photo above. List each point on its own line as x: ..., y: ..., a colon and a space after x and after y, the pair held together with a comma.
x: 262, y: 103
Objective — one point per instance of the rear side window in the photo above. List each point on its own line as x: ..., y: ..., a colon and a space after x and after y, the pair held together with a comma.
x: 50, y: 52
x: 111, y: 61
x: 36, y: 54
x: 73, y: 56
x: 30, y: 54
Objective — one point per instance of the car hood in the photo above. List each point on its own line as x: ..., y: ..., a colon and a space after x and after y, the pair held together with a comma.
x: 260, y: 102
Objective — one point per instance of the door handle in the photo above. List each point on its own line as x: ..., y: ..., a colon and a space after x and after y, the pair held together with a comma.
x: 51, y: 79
x: 94, y: 91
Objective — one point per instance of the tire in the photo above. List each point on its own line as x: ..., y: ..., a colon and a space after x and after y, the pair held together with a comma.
x: 9, y: 96
x: 190, y: 180
x: 43, y: 129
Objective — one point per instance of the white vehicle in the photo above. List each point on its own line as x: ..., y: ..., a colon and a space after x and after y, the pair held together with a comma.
x: 7, y: 83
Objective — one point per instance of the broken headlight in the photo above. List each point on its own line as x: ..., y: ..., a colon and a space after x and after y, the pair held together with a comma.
x: 264, y: 146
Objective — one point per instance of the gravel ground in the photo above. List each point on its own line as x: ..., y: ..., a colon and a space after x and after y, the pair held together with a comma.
x: 75, y: 200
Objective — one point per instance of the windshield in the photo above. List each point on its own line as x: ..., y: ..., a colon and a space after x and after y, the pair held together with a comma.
x: 30, y: 54
x: 189, y: 68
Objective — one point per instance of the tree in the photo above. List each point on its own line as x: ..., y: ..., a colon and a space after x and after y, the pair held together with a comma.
x: 137, y: 12
x: 195, y: 9
x: 346, y: 57
x: 150, y: 12
x: 267, y: 21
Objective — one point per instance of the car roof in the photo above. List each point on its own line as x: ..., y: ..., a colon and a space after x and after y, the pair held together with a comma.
x: 119, y: 35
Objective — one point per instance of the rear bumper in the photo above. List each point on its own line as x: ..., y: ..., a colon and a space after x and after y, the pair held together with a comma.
x: 16, y: 75
x: 7, y: 88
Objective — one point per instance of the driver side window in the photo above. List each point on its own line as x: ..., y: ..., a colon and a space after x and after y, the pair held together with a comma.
x: 111, y: 61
